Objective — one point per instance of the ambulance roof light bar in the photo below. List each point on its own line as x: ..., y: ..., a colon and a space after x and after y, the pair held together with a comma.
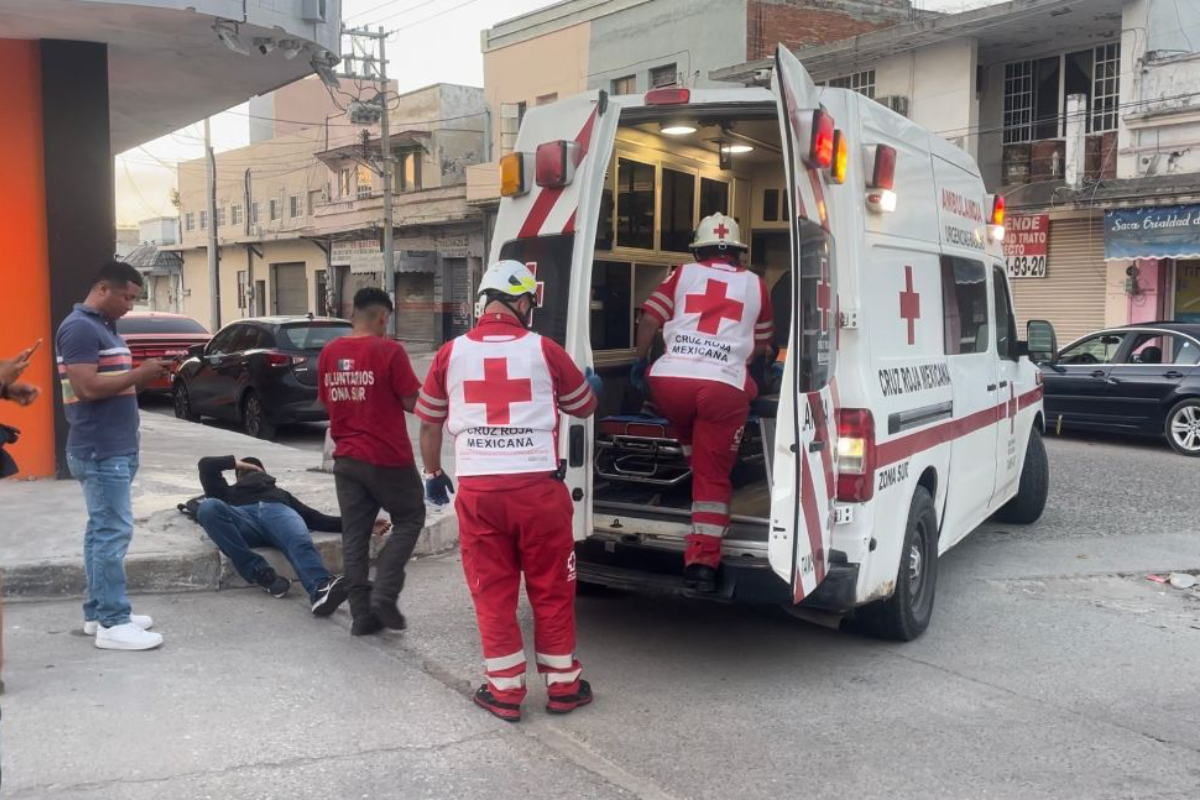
x: 996, y: 220
x: 669, y: 96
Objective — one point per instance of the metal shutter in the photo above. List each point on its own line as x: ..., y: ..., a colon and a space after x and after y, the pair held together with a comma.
x: 290, y: 286
x: 1073, y: 292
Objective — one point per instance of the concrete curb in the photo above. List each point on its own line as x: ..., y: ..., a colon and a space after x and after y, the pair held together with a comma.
x: 198, y: 568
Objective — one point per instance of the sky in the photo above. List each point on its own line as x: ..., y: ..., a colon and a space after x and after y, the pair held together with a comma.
x: 440, y: 42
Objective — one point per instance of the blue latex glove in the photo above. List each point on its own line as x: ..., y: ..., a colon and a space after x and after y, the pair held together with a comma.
x: 637, y: 375
x: 776, y: 369
x: 438, y: 489
x: 594, y: 381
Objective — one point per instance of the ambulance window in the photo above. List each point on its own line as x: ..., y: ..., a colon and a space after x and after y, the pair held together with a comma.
x: 770, y: 205
x: 550, y: 259
x: 678, y: 204
x: 965, y: 300
x: 816, y: 318
x: 635, y: 204
x: 611, y: 305
x: 1005, y: 322
x: 714, y: 197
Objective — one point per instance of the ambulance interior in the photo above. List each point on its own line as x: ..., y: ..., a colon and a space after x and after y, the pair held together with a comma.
x: 671, y: 168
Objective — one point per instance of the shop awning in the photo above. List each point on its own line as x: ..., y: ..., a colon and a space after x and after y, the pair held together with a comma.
x: 1152, y: 232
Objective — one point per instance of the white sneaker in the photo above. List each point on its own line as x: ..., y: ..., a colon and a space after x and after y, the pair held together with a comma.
x: 141, y: 620
x: 127, y: 637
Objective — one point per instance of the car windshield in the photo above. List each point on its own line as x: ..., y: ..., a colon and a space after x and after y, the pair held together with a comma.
x: 134, y: 325
x: 309, y: 336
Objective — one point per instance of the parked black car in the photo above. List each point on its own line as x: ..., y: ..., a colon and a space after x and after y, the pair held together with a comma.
x: 1142, y: 379
x: 261, y: 372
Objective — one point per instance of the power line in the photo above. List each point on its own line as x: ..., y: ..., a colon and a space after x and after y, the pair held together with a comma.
x: 431, y: 17
x: 391, y: 15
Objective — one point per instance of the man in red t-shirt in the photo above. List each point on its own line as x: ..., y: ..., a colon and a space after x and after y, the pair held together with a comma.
x: 367, y: 383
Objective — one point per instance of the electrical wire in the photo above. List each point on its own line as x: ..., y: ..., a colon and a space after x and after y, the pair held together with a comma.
x: 431, y: 17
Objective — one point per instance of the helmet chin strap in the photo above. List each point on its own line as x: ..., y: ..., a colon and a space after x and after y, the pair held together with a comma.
x: 524, y: 319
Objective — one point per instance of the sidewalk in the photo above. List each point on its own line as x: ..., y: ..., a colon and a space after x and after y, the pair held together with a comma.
x: 42, y: 536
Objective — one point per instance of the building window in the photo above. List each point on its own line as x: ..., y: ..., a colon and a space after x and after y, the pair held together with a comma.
x: 189, y: 221
x: 1106, y: 70
x: 314, y: 198
x: 965, y: 305
x: 220, y: 216
x: 254, y: 213
x: 203, y: 220
x: 363, y: 181
x: 235, y: 214
x: 861, y: 82
x: 273, y: 208
x: 678, y: 203
x: 547, y: 99
x: 635, y: 204
x: 294, y: 206
x: 410, y: 170
x: 625, y: 85
x: 521, y: 108
x: 666, y: 75
x: 714, y: 197
x: 1036, y: 92
x: 1018, y: 102
x: 344, y: 182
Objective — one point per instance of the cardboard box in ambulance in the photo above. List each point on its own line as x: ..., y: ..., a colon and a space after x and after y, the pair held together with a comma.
x: 907, y: 412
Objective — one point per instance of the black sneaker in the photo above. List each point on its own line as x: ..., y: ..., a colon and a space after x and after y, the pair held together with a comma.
x: 388, y: 614
x: 331, y: 593
x: 365, y: 626
x: 566, y: 703
x: 509, y: 712
x: 274, y: 585
x: 700, y: 578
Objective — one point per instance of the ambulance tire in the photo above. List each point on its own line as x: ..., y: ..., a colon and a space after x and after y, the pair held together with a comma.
x: 905, y: 615
x: 1030, y: 500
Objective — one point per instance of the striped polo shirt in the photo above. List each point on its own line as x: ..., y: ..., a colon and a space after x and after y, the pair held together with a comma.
x: 98, y: 428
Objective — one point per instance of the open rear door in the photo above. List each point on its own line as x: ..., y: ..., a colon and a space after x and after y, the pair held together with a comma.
x: 551, y: 226
x: 804, y: 468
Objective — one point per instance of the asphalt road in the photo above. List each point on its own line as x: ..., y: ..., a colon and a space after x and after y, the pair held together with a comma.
x: 1053, y: 669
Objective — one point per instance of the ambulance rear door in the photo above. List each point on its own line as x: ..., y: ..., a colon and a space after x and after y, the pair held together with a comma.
x: 804, y: 468
x: 549, y: 223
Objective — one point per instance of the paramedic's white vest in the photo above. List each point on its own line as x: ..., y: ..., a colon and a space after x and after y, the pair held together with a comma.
x: 715, y: 344
x: 502, y: 409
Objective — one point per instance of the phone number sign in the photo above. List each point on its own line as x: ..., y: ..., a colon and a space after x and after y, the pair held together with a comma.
x: 1026, y: 245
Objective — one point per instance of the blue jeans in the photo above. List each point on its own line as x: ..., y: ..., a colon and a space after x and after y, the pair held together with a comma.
x: 236, y: 529
x: 106, y: 491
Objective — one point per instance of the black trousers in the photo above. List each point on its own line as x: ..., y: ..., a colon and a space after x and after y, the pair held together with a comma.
x: 363, y: 489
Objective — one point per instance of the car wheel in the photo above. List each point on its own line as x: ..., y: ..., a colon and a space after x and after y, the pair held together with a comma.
x: 905, y: 615
x: 1030, y: 500
x: 1183, y: 427
x: 183, y: 403
x: 254, y: 418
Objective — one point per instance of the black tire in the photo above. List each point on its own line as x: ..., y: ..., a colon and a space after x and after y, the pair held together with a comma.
x: 1183, y: 427
x: 254, y: 418
x: 183, y: 403
x: 1030, y: 500
x: 905, y: 615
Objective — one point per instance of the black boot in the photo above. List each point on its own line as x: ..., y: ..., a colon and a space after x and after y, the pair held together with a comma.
x: 700, y: 578
x: 566, y: 703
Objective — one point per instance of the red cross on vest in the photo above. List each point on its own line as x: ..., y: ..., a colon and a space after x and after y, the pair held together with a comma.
x: 823, y: 296
x: 496, y: 391
x: 713, y: 306
x: 721, y: 231
x: 910, y: 305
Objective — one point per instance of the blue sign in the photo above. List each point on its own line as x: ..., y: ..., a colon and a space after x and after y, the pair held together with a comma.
x: 1155, y: 232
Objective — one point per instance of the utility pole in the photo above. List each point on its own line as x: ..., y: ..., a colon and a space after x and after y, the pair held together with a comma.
x: 248, y: 294
x: 389, y: 244
x: 214, y: 282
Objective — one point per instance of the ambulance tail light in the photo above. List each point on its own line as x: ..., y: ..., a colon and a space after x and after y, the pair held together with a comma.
x: 820, y: 148
x: 512, y: 175
x: 996, y: 220
x: 841, y: 158
x: 669, y: 96
x: 554, y: 163
x: 856, y: 455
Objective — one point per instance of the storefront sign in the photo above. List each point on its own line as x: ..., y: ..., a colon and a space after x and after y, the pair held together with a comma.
x: 1026, y: 245
x: 342, y: 253
x: 1156, y: 232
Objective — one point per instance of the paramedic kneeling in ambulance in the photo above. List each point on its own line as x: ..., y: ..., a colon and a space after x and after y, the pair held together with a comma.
x: 715, y: 316
x: 499, y: 390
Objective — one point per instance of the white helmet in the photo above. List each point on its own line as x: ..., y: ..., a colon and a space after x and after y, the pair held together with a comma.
x: 718, y: 230
x: 510, y: 278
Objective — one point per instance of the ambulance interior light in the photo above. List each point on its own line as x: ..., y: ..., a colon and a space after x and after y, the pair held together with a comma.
x: 677, y: 128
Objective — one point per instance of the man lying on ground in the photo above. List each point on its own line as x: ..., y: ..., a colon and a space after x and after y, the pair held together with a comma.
x: 254, y: 512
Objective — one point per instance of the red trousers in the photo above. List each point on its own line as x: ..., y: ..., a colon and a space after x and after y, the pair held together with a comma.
x: 708, y: 418
x: 525, y: 528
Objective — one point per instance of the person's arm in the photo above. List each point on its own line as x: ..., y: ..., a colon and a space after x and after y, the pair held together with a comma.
x: 648, y: 327
x: 212, y: 478
x: 658, y: 308
x: 575, y: 395
x: 431, y: 447
x: 79, y: 348
x: 764, y: 326
x: 315, y: 520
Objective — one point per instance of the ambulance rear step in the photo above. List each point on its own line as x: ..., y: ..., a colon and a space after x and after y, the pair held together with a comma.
x: 660, y: 521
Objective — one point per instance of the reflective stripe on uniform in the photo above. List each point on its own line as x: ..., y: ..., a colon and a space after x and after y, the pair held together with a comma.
x: 515, y: 682
x: 705, y: 529
x: 706, y: 507
x: 505, y: 662
x: 433, y: 401
x: 563, y: 677
x: 556, y: 662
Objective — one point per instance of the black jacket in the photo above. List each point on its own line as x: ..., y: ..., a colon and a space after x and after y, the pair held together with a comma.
x: 257, y: 487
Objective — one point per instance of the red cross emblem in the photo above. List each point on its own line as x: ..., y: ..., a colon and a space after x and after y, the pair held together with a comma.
x: 497, y: 392
x: 824, y: 296
x: 713, y: 306
x: 541, y: 289
x: 910, y: 305
x: 721, y: 231
x: 1012, y: 407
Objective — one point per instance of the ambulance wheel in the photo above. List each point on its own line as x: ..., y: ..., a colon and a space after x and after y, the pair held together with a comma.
x: 905, y: 615
x: 1026, y: 507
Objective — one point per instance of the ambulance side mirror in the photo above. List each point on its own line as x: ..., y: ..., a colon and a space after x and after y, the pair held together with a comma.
x: 1041, y: 343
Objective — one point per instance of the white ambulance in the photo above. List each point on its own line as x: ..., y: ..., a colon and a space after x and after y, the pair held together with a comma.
x: 907, y: 412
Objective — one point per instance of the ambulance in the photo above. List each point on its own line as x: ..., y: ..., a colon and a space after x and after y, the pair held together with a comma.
x: 907, y: 411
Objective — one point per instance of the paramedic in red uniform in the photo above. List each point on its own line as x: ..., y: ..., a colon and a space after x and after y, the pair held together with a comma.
x: 715, y: 317
x: 499, y: 390
x: 367, y: 383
